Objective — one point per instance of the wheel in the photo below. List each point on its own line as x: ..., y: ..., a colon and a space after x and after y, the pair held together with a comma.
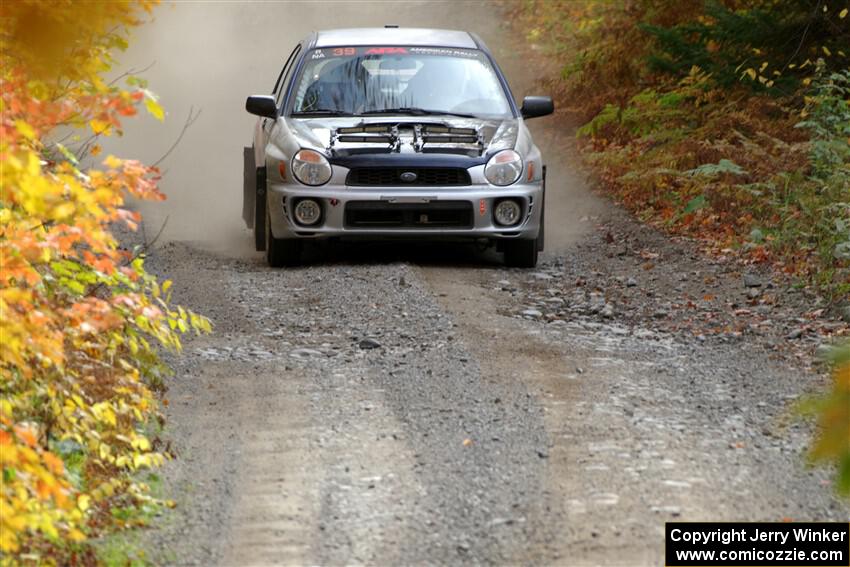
x: 260, y: 215
x: 280, y: 252
x: 521, y: 253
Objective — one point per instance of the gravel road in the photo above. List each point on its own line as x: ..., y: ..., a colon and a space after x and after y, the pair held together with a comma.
x: 387, y: 406
x: 398, y: 405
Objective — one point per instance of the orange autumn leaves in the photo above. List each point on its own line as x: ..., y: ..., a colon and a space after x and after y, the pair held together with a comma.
x: 81, y: 321
x: 20, y: 452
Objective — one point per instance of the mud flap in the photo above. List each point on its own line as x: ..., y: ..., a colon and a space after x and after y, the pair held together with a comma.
x: 260, y: 217
x: 249, y: 186
x: 541, y: 237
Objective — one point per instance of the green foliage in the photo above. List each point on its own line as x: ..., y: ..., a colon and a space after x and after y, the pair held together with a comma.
x: 828, y: 120
x: 645, y: 113
x: 773, y: 42
x: 688, y: 110
x: 695, y: 204
x: 715, y: 169
x: 724, y: 39
x: 609, y: 115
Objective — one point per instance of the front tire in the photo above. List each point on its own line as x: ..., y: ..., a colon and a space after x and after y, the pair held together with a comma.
x: 521, y: 253
x: 280, y: 252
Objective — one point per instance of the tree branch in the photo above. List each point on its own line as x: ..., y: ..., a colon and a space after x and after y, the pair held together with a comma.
x: 190, y: 119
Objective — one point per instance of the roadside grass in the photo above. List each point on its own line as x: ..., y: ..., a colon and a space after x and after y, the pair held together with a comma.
x: 125, y: 545
x: 122, y: 514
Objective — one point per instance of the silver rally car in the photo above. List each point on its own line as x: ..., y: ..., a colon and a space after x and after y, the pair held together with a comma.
x: 394, y: 133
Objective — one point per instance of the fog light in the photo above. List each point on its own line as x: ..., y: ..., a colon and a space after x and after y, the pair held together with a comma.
x: 307, y: 212
x: 507, y: 212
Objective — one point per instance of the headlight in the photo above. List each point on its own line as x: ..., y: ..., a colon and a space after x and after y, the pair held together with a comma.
x: 311, y: 168
x: 503, y: 168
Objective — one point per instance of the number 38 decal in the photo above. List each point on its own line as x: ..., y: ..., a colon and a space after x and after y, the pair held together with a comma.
x: 351, y: 51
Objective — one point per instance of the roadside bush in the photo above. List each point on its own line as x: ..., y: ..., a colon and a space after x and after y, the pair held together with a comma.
x: 827, y: 119
x: 753, y: 39
x: 82, y: 321
x: 832, y: 411
x: 723, y: 120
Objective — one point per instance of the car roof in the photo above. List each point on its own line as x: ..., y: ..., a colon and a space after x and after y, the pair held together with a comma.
x: 395, y: 36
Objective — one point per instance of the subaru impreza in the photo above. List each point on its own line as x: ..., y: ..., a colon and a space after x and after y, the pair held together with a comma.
x: 392, y: 133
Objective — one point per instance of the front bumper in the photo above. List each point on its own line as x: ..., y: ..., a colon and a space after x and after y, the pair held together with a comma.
x: 413, y: 205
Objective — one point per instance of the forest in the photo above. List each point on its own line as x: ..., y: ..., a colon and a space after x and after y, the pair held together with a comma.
x: 723, y: 121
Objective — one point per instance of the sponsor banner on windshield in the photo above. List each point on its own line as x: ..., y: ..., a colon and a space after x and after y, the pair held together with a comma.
x: 367, y: 51
x: 744, y: 544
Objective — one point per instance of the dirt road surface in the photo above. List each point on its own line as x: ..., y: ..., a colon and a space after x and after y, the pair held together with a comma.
x: 398, y: 405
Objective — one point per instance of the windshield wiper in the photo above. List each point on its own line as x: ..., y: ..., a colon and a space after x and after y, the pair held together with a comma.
x: 417, y: 112
x: 322, y: 112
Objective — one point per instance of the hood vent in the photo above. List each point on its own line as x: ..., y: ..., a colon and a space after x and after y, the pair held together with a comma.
x: 412, y: 137
x: 446, y: 135
x: 365, y: 135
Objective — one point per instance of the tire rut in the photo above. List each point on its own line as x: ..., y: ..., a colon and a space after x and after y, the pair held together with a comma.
x: 643, y: 427
x: 331, y: 453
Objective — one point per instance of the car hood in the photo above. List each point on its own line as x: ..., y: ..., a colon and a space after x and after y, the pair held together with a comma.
x: 411, y: 139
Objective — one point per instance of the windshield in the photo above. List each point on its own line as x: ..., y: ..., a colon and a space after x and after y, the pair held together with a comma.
x: 350, y: 81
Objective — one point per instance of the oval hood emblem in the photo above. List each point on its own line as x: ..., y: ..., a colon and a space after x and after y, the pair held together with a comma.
x: 408, y: 177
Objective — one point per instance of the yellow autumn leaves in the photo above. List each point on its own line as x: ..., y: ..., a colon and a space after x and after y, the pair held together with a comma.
x: 81, y: 320
x: 768, y: 80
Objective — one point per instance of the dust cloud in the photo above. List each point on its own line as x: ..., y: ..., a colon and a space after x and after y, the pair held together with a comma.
x: 209, y: 56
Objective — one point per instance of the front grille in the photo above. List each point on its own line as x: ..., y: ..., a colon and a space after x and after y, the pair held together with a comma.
x: 375, y: 176
x: 439, y: 214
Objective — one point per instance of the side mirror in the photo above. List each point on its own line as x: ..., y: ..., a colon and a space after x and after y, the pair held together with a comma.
x: 533, y: 106
x: 261, y: 105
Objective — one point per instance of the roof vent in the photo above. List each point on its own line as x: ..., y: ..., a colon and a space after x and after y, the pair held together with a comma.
x: 390, y: 25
